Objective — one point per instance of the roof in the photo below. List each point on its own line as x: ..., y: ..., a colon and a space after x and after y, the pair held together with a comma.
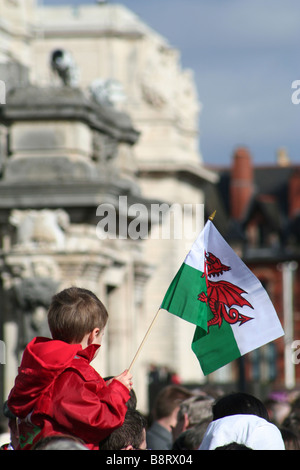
x: 269, y: 206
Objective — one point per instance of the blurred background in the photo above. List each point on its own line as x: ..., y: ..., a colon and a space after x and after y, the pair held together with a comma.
x: 163, y: 102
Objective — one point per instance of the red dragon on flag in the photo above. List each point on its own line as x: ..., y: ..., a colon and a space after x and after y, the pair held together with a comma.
x: 222, y: 296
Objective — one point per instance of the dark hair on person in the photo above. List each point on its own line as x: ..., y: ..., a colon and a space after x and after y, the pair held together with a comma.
x: 131, y: 433
x: 233, y: 446
x: 191, y: 438
x: 290, y: 438
x: 132, y: 402
x: 167, y: 399
x: 292, y: 422
x: 239, y: 403
x: 75, y: 312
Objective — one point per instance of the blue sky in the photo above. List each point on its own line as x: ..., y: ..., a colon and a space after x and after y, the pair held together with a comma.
x: 244, y: 54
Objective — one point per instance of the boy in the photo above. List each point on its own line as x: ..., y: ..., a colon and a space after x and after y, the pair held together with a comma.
x: 57, y: 391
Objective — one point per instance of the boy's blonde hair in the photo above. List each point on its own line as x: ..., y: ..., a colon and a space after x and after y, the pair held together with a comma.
x: 75, y: 312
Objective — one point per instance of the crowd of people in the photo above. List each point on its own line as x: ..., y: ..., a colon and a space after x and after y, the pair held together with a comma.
x: 59, y: 401
x: 230, y: 421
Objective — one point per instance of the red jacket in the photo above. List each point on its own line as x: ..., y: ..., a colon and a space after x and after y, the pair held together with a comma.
x: 57, y: 391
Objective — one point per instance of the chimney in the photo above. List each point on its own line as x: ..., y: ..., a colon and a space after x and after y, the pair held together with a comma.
x: 294, y: 194
x: 241, y: 183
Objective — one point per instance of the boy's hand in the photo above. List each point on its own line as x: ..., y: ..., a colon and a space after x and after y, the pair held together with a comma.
x: 125, y: 378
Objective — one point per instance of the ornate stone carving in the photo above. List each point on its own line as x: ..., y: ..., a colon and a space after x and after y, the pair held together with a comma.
x: 31, y: 299
x: 42, y: 227
x: 107, y: 92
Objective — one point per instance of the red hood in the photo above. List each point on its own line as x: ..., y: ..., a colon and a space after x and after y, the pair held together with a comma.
x: 43, y: 360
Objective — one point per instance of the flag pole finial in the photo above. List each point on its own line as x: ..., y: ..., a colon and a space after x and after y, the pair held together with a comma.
x: 212, y: 216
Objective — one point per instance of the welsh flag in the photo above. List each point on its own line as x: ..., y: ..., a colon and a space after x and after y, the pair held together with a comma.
x: 215, y: 290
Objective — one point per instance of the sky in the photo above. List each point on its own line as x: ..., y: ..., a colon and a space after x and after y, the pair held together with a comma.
x: 245, y: 55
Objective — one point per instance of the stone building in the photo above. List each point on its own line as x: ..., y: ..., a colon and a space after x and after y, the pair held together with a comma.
x: 99, y: 114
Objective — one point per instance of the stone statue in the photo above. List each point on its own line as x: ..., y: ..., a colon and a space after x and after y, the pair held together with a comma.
x: 31, y: 299
x: 107, y: 92
x: 42, y: 227
x: 63, y: 64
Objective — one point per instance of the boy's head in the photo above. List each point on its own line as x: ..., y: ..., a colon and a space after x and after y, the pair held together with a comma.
x: 74, y: 313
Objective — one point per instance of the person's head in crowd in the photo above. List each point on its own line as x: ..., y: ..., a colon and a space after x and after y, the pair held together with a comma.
x: 233, y: 446
x: 130, y: 436
x: 193, y: 411
x: 164, y: 415
x: 290, y: 438
x: 292, y: 422
x: 239, y: 403
x: 59, y: 442
x: 132, y: 402
x: 278, y: 406
x: 167, y: 403
x: 241, y: 418
x: 192, y: 437
x: 247, y: 429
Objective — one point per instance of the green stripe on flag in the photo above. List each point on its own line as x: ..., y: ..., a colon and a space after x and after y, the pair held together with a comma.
x: 216, y: 349
x: 181, y: 298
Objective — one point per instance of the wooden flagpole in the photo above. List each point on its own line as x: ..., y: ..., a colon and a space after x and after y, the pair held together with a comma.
x: 144, y: 339
x: 212, y: 216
